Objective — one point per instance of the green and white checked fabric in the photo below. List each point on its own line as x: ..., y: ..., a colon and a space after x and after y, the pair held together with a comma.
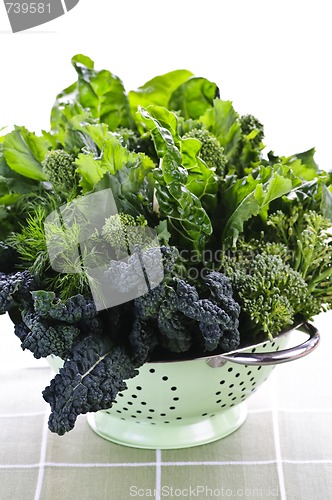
x: 283, y: 450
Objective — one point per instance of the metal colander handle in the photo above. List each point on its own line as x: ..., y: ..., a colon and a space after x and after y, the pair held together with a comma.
x: 271, y: 358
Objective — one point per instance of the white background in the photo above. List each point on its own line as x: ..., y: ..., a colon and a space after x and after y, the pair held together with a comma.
x: 271, y: 58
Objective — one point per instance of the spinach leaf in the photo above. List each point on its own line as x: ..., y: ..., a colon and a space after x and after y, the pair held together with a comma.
x: 24, y: 152
x: 250, y: 196
x: 193, y: 97
x: 99, y: 91
x: 158, y: 90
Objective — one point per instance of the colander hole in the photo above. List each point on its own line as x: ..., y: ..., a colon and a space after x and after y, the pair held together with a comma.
x: 163, y: 414
x: 130, y: 403
x: 259, y: 367
x: 237, y: 375
x: 118, y: 411
x: 241, y: 383
x: 219, y: 401
x: 172, y: 407
x: 218, y: 393
x: 264, y: 345
x: 152, y: 370
x: 166, y: 422
x: 243, y: 396
x: 139, y: 388
x: 138, y: 411
x: 174, y: 388
x: 230, y: 369
x: 230, y: 394
x: 151, y: 410
x: 178, y: 418
x: 133, y: 416
x: 134, y: 396
x: 120, y: 394
x: 243, y: 389
x: 223, y: 405
x: 231, y: 385
x: 143, y: 403
x: 252, y: 378
x: 204, y: 414
x: 165, y: 378
x: 213, y: 415
x: 175, y: 399
x: 123, y: 418
x: 125, y: 409
x: 231, y: 405
x: 150, y: 418
x: 222, y: 382
x: 273, y: 344
x: 234, y: 399
x: 249, y: 372
x: 253, y: 350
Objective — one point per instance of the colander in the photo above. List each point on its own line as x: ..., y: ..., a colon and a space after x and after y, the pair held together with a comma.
x: 180, y: 404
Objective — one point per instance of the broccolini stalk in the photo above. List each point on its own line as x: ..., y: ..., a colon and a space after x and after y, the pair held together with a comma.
x: 309, y: 239
x: 269, y: 291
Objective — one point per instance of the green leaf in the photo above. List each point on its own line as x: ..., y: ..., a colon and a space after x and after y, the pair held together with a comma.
x: 176, y: 202
x: 223, y: 121
x: 302, y: 164
x: 24, y: 152
x: 193, y: 97
x: 326, y: 203
x: 248, y: 196
x: 158, y: 90
x: 102, y: 92
x: 90, y: 169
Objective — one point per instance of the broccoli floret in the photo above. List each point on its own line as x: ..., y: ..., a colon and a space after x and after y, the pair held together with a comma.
x: 251, y: 125
x: 123, y: 232
x: 211, y: 152
x: 60, y: 169
x: 309, y: 240
x: 270, y: 292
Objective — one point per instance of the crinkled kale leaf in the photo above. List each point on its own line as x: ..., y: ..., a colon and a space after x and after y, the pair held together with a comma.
x: 88, y: 382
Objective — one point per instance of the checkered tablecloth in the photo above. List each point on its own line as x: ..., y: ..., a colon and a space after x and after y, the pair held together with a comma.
x: 283, y: 450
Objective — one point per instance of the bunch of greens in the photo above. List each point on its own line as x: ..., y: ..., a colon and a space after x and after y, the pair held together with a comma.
x: 244, y: 238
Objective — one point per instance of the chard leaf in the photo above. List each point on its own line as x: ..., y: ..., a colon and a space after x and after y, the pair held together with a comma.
x: 193, y: 97
x: 249, y: 196
x: 99, y: 91
x: 158, y: 91
x: 24, y: 152
x: 176, y: 202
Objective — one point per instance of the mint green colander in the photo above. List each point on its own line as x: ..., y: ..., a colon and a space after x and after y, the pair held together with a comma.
x: 187, y: 403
